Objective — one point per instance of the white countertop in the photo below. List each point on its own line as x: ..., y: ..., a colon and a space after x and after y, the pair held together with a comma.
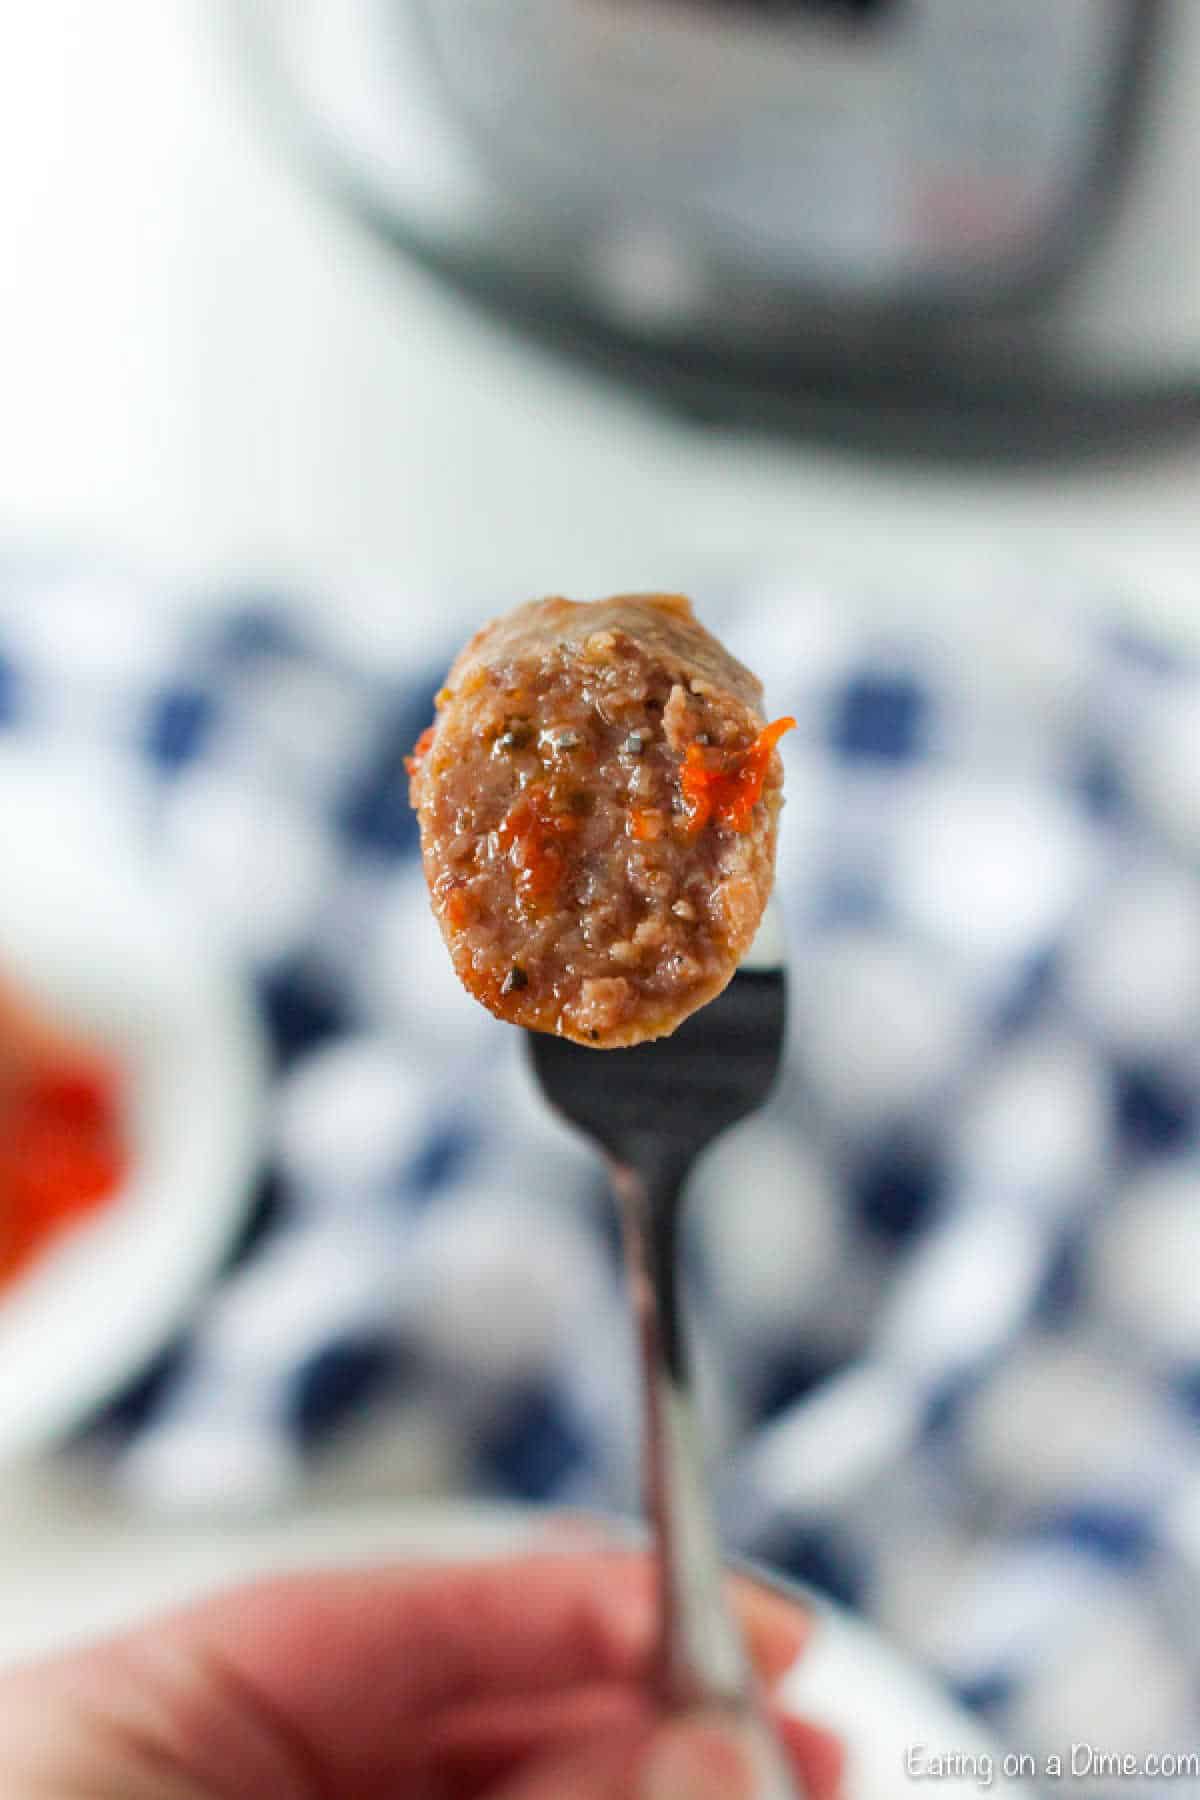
x: 205, y: 368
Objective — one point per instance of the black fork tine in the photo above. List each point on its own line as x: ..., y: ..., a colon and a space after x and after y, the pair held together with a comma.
x: 687, y: 1089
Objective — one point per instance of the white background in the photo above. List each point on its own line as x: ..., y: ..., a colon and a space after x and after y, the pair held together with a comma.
x: 205, y: 369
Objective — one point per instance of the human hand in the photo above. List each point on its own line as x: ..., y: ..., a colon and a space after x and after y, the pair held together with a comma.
x: 522, y: 1679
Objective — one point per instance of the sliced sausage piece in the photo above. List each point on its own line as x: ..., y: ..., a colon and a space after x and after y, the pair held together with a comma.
x: 598, y: 797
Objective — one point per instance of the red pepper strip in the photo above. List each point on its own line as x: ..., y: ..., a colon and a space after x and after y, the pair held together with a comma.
x: 528, y: 834
x: 420, y: 749
x: 726, y: 790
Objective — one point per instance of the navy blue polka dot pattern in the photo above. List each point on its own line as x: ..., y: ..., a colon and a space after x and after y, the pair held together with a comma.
x: 440, y: 1161
x: 530, y: 1452
x: 259, y: 626
x: 896, y: 1190
x: 1156, y: 1112
x: 1113, y: 1534
x: 180, y: 721
x: 137, y: 1406
x: 268, y: 1214
x: 375, y: 814
x: 879, y: 717
x: 1100, y: 787
x: 953, y: 1263
x: 782, y: 1379
x: 819, y: 1559
x: 336, y: 1382
x: 988, y: 1694
x: 303, y: 1006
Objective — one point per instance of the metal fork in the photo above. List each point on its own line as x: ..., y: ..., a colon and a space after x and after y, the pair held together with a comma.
x: 652, y: 1109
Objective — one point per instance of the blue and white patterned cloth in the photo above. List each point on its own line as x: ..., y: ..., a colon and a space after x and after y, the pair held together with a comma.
x: 946, y: 1287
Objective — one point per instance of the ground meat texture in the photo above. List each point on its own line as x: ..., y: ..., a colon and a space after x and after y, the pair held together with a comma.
x: 598, y: 799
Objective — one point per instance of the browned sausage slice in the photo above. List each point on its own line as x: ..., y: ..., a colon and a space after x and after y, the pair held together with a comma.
x: 598, y: 799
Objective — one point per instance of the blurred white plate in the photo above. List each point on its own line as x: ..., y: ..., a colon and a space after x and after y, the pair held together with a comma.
x: 848, y: 1678
x: 86, y: 924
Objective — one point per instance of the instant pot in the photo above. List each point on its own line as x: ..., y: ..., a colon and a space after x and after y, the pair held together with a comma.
x: 968, y: 224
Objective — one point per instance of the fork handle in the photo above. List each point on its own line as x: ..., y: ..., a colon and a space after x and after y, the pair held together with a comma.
x: 702, y: 1660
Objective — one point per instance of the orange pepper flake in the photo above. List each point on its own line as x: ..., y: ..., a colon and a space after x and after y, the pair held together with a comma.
x: 530, y: 835
x: 724, y: 787
x: 420, y: 749
x: 645, y: 824
x: 460, y: 908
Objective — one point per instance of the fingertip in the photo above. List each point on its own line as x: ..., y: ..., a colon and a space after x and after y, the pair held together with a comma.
x: 777, y: 1628
x: 819, y: 1756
